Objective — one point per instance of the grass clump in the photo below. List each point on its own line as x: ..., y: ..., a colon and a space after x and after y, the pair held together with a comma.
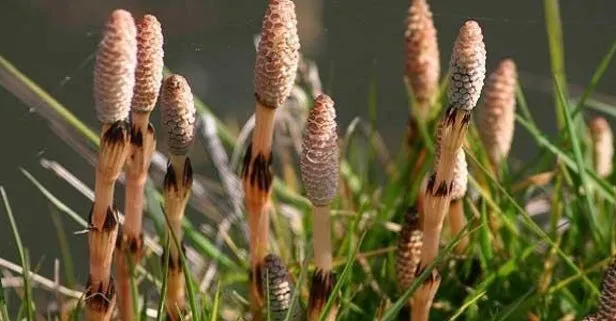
x: 524, y: 242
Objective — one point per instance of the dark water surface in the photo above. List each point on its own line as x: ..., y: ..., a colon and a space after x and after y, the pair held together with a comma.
x: 210, y: 41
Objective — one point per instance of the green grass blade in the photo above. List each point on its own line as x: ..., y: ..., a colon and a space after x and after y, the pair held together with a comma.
x: 604, y: 188
x: 392, y: 313
x: 28, y: 298
x: 596, y: 77
x: 579, y: 159
x: 601, y: 106
x: 133, y: 284
x: 216, y: 307
x: 54, y: 200
x: 557, y: 56
x: 208, y: 248
x: 343, y: 277
x: 531, y: 225
x: 190, y: 286
x: 163, y: 290
x: 509, y: 310
x: 521, y: 98
x: 468, y: 303
x: 65, y: 250
x: 143, y: 316
x: 61, y: 111
x: 296, y: 291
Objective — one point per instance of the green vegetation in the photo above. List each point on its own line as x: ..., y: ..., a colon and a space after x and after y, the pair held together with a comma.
x: 542, y: 272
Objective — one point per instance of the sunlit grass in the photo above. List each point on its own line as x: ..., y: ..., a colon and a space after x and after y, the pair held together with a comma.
x: 488, y: 283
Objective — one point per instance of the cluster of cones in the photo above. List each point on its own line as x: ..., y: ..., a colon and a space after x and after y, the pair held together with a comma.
x: 128, y: 79
x: 275, y: 71
x: 441, y: 202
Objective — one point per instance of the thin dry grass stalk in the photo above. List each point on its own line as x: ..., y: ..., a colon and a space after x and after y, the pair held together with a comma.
x: 148, y: 77
x: 457, y: 219
x: 277, y: 281
x: 422, y: 64
x: 274, y: 76
x: 603, y: 145
x: 178, y: 118
x: 114, y: 77
x: 497, y: 115
x: 466, y: 72
x: 319, y: 165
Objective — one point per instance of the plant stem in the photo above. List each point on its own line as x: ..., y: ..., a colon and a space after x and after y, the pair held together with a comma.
x: 323, y: 279
x: 257, y: 180
x: 100, y: 295
x: 178, y: 182
x: 457, y: 222
x: 322, y: 240
x: 130, y: 246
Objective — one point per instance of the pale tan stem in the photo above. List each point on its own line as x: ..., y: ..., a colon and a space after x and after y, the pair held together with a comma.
x: 321, y: 239
x: 323, y: 279
x: 175, y: 224
x: 452, y: 128
x: 457, y: 222
x: 176, y: 298
x: 101, y: 256
x: 435, y: 209
x: 178, y: 183
x: 101, y: 298
x: 176, y: 199
x: 143, y: 144
x: 420, y: 314
x: 421, y: 302
x: 257, y: 179
x: 264, y: 129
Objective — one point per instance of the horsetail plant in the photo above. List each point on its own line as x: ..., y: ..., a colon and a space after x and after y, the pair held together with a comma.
x: 319, y: 165
x: 497, y: 114
x: 457, y: 219
x: 178, y: 118
x: 603, y: 145
x: 408, y: 251
x: 148, y: 77
x: 279, y: 288
x: 422, y: 65
x: 466, y: 72
x: 607, y: 298
x: 114, y: 78
x: 274, y: 75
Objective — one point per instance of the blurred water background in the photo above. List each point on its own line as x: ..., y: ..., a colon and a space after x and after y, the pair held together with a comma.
x: 355, y: 42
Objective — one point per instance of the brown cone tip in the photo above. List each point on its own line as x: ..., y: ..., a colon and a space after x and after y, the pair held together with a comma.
x: 607, y: 300
x: 603, y: 142
x: 178, y: 114
x: 460, y: 176
x: 467, y: 67
x: 497, y: 115
x: 277, y: 54
x: 408, y: 252
x: 149, y: 72
x: 114, y: 69
x: 277, y: 282
x: 319, y: 159
x: 422, y: 54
